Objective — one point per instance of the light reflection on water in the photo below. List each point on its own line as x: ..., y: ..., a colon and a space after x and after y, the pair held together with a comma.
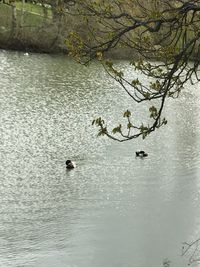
x: 113, y: 210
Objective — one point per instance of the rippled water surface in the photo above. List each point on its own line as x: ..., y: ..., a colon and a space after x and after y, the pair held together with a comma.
x: 113, y: 210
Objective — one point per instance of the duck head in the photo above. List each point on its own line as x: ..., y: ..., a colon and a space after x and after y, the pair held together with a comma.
x: 70, y: 164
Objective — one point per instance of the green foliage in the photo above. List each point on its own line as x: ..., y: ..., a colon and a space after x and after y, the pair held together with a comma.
x: 99, y: 56
x: 129, y: 125
x: 163, y: 38
x: 156, y: 85
x: 117, y: 129
x: 144, y: 130
x: 109, y: 64
x: 135, y: 82
x: 111, y: 69
x: 155, y: 14
x: 127, y: 114
x: 101, y: 124
x: 147, y: 95
x: 138, y: 64
x: 153, y: 112
x: 75, y: 45
x: 99, y: 121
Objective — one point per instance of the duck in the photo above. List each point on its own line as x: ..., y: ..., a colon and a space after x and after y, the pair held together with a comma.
x: 70, y: 164
x: 141, y: 154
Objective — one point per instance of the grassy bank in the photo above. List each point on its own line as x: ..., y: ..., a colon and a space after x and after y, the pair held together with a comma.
x: 33, y: 15
x: 34, y: 31
x: 35, y: 9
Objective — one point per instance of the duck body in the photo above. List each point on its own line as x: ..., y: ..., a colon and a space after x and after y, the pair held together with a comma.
x: 70, y: 164
x: 141, y: 154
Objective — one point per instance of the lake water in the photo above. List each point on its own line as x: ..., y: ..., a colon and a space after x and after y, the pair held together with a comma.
x: 113, y: 210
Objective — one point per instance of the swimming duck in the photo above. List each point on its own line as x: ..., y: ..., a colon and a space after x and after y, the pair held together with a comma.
x: 141, y: 154
x: 70, y: 164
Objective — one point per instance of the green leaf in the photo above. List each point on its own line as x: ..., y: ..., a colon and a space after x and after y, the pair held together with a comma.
x: 109, y: 63
x: 129, y: 125
x: 147, y: 95
x: 153, y: 112
x: 135, y: 82
x: 117, y: 129
x: 127, y: 114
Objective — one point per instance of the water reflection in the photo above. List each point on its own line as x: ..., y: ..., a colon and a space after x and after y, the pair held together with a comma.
x: 113, y: 210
